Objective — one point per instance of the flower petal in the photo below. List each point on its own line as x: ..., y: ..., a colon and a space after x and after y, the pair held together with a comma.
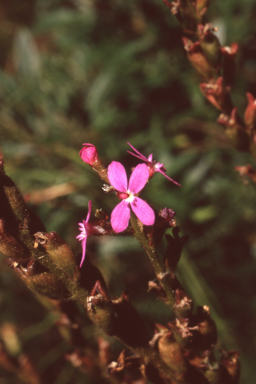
x: 117, y: 176
x: 84, y: 250
x: 89, y: 211
x: 139, y: 178
x: 143, y: 211
x: 120, y: 217
x: 137, y: 153
x: 160, y: 170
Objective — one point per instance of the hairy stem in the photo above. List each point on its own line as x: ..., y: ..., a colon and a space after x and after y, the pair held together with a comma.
x: 162, y: 275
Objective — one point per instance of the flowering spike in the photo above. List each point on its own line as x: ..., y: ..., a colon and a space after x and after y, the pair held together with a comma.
x: 89, y: 154
x: 120, y: 215
x: 152, y: 165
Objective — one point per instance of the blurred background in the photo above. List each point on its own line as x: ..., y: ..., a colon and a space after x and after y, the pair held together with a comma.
x: 107, y: 72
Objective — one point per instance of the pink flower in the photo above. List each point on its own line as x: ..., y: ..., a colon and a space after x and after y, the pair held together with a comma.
x: 153, y: 166
x: 85, y: 231
x: 89, y: 154
x: 120, y: 215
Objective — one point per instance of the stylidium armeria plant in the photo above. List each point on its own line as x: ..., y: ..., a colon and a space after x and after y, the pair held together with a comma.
x: 179, y: 352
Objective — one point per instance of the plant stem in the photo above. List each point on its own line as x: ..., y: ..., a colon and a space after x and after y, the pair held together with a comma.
x: 162, y: 275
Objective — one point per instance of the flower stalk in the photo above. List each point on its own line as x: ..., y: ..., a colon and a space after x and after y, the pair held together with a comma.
x: 162, y: 275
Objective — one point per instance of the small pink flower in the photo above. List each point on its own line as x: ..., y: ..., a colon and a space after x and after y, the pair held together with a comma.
x: 153, y: 166
x: 89, y: 154
x: 89, y: 229
x: 120, y: 215
x: 85, y: 231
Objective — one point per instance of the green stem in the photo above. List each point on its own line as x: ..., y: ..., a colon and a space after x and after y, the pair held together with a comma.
x: 162, y: 275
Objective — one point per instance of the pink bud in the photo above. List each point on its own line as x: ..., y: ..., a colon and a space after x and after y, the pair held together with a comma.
x: 89, y: 154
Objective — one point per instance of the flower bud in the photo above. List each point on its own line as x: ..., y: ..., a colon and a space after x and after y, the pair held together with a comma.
x: 89, y: 154
x: 168, y: 214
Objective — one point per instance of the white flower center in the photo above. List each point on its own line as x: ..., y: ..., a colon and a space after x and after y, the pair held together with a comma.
x: 130, y: 198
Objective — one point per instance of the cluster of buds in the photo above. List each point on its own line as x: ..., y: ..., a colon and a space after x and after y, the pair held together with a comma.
x: 216, y: 66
